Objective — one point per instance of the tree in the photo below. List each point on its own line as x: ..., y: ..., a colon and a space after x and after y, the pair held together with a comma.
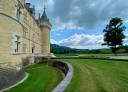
x: 113, y: 34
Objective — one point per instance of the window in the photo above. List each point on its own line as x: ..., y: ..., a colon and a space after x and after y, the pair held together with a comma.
x: 33, y: 48
x: 25, y: 17
x: 18, y: 11
x: 17, y: 43
x: 33, y: 43
x: 24, y: 34
x: 24, y: 47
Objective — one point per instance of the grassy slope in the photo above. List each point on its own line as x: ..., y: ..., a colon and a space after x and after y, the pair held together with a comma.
x: 42, y: 78
x: 98, y: 76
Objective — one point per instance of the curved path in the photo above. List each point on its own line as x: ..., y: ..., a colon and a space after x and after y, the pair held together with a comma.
x: 65, y: 82
x: 26, y: 76
x: 119, y: 57
x: 42, y: 78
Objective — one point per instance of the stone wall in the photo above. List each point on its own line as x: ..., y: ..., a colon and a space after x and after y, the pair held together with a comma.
x: 60, y: 65
x: 26, y: 28
x: 67, y: 69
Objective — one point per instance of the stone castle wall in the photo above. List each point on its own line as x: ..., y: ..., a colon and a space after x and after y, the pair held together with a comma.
x: 25, y: 27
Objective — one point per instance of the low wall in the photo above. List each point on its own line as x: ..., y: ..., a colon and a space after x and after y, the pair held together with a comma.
x: 67, y: 69
x: 60, y: 65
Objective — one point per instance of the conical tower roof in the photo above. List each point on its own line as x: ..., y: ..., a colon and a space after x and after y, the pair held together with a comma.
x: 44, y: 17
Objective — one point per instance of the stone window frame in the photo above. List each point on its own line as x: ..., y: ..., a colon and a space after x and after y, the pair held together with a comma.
x: 19, y: 11
x: 25, y: 16
x: 14, y: 39
x: 24, y: 48
x: 25, y: 32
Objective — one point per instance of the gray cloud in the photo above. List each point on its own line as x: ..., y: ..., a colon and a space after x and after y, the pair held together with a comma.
x: 85, y: 13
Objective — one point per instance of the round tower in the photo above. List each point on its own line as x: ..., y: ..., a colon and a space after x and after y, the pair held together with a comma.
x: 45, y: 27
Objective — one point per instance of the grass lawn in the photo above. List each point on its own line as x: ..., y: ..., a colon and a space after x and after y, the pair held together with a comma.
x: 42, y: 78
x: 92, y: 75
x: 89, y: 55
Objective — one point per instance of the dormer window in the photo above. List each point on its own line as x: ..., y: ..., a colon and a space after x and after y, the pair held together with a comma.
x: 18, y: 12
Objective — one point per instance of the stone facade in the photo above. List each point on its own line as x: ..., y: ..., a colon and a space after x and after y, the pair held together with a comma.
x: 21, y: 35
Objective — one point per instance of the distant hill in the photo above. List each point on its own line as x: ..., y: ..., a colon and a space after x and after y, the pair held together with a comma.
x: 60, y: 49
x: 63, y: 50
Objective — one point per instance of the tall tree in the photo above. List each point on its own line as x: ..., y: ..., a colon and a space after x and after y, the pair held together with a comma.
x: 113, y: 34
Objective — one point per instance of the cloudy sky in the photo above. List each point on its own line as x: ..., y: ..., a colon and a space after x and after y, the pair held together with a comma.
x: 79, y: 23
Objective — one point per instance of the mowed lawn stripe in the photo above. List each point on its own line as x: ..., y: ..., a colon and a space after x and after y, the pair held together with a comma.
x: 114, y: 74
x: 105, y: 83
x: 42, y: 78
x: 83, y: 81
x: 98, y: 76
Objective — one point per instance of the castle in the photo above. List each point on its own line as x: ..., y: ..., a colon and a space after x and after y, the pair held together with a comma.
x: 21, y: 34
